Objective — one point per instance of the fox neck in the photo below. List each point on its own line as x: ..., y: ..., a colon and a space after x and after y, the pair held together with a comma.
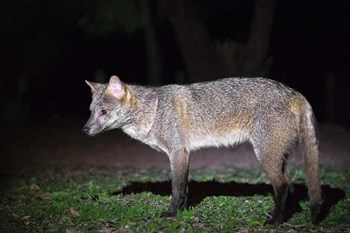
x: 145, y: 108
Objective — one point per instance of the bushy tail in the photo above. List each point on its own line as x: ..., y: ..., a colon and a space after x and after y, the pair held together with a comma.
x: 310, y: 150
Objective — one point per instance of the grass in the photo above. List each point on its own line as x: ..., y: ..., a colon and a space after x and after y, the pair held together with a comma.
x: 84, y: 200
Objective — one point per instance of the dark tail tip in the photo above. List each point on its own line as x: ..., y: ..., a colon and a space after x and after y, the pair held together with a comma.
x: 315, y: 210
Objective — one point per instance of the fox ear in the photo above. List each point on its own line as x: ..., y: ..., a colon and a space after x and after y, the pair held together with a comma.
x: 115, y: 88
x: 94, y: 86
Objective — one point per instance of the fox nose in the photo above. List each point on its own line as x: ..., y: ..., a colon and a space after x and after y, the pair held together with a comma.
x: 86, y: 129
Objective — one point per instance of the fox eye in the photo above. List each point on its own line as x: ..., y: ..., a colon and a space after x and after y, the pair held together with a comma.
x: 103, y: 112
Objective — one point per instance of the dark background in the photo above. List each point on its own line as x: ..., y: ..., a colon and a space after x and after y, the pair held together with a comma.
x: 48, y: 48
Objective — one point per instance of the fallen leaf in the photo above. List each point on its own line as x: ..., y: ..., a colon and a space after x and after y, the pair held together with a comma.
x: 34, y: 187
x: 199, y: 225
x: 46, y: 196
x: 70, y: 230
x: 74, y: 212
x: 107, y: 230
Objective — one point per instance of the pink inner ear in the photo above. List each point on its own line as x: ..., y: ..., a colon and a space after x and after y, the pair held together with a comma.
x: 115, y: 83
x: 115, y: 87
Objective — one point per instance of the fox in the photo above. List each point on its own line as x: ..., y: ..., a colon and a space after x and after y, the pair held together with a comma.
x: 177, y: 119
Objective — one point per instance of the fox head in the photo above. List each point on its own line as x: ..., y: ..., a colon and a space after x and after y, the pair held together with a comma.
x: 110, y: 107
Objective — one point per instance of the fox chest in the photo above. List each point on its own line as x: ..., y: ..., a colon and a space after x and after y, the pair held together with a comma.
x: 143, y: 136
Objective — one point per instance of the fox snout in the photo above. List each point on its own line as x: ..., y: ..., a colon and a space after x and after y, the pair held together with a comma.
x: 86, y: 130
x: 90, y: 129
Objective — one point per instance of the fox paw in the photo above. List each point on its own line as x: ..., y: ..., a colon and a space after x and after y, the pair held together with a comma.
x: 274, y: 221
x: 169, y: 214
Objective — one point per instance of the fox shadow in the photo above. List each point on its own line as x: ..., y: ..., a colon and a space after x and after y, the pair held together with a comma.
x: 200, y: 190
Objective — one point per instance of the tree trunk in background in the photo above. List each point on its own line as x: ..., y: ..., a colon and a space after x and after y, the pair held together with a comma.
x: 194, y: 41
x: 153, y: 54
x: 256, y: 56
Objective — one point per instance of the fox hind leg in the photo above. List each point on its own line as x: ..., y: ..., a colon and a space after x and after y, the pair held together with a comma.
x: 273, y: 165
x: 285, y: 174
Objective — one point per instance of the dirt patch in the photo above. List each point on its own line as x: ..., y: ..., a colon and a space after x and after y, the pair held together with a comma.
x: 59, y: 141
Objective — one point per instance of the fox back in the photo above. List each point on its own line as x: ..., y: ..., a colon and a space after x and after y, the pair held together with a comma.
x: 177, y: 119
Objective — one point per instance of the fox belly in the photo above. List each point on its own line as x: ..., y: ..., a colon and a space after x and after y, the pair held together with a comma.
x: 197, y: 141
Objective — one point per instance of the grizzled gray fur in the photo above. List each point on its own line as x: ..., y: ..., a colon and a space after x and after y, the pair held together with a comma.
x: 177, y: 119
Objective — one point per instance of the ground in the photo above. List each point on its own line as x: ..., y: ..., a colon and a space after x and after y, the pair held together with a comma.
x: 59, y: 141
x: 56, y: 149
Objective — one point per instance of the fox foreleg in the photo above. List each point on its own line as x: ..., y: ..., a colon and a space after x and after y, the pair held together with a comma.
x: 179, y: 164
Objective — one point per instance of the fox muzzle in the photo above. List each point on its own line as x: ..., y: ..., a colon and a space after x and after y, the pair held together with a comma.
x: 90, y: 130
x: 86, y: 130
